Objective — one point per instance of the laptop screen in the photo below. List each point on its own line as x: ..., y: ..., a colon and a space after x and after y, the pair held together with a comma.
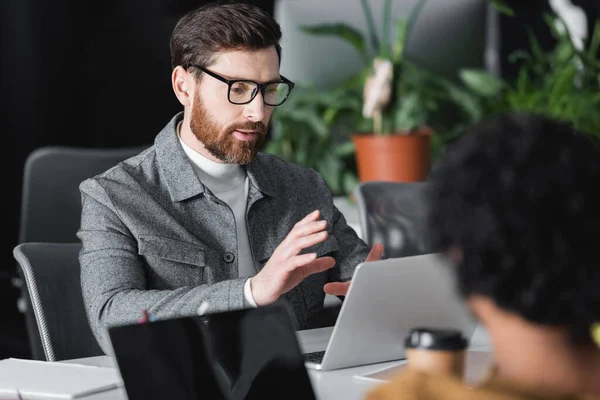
x: 245, y: 354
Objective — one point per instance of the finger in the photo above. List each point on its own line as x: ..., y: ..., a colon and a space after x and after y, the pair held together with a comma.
x: 306, y: 229
x: 313, y: 216
x: 302, y: 260
x: 293, y: 247
x: 319, y: 265
x: 375, y: 253
x: 307, y: 261
x: 336, y: 288
x: 290, y: 246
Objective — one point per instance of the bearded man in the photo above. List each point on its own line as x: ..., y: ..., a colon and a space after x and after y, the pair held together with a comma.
x: 202, y: 219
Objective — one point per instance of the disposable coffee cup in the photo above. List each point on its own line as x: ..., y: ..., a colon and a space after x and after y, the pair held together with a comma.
x: 438, y: 351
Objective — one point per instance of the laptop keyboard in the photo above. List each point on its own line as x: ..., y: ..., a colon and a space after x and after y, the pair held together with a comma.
x: 315, y: 357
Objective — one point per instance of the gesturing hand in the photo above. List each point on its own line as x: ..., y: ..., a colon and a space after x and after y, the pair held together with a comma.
x: 287, y: 267
x: 341, y: 288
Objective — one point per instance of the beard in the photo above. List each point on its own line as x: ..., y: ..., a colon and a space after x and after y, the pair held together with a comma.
x: 220, y: 141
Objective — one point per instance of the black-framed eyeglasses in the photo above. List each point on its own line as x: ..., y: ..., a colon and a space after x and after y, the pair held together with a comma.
x: 243, y: 91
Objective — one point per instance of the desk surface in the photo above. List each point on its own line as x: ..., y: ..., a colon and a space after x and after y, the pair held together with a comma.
x: 347, y: 384
x: 328, y: 385
x: 338, y: 384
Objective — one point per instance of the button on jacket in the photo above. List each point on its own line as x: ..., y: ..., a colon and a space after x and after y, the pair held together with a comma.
x: 155, y: 238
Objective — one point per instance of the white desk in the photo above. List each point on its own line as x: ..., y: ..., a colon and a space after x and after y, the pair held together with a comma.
x: 328, y: 385
x: 334, y: 385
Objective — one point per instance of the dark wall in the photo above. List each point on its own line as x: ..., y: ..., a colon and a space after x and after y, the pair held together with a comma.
x: 529, y: 15
x: 78, y: 73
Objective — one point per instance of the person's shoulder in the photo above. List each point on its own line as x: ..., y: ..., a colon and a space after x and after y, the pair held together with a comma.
x: 416, y: 385
x: 121, y: 170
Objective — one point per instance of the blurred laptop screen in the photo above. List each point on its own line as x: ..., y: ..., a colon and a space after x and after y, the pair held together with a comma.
x: 245, y: 354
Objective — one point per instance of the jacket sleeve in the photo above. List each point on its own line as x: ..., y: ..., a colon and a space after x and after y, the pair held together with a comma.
x: 352, y: 249
x: 113, y: 279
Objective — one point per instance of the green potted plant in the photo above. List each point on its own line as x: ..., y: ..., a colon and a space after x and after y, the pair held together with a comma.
x: 562, y: 83
x: 392, y: 135
x: 306, y: 131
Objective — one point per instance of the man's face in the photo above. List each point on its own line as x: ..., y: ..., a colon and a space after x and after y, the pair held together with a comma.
x: 233, y: 133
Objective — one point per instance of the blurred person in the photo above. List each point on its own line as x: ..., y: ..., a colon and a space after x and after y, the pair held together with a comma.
x: 203, y: 217
x: 514, y: 205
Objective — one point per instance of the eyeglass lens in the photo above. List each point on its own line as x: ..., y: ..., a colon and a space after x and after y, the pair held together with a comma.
x: 274, y: 94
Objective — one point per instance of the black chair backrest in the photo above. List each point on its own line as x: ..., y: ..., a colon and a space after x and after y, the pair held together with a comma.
x: 394, y: 214
x: 51, y: 204
x: 51, y: 201
x: 52, y: 276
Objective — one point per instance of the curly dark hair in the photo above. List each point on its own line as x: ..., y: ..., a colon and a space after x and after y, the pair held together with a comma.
x: 219, y: 26
x: 519, y: 196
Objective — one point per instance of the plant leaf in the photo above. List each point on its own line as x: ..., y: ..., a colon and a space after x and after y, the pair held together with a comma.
x: 523, y: 81
x: 502, y: 8
x: 467, y: 102
x: 331, y: 168
x: 481, y: 82
x: 370, y: 24
x: 519, y: 55
x: 399, y: 40
x: 595, y: 42
x: 409, y: 114
x: 538, y: 63
x: 308, y: 116
x: 345, y: 149
x: 349, y: 181
x: 414, y: 14
x: 385, y: 30
x: 273, y: 147
x: 340, y: 30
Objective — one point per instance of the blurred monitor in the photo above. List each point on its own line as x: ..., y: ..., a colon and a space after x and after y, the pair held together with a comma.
x: 448, y: 35
x: 250, y: 354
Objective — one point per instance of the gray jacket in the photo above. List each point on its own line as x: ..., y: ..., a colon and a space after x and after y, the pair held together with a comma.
x: 155, y: 238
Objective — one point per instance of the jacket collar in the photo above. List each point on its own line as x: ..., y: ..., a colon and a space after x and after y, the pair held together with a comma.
x: 256, y: 170
x: 180, y: 177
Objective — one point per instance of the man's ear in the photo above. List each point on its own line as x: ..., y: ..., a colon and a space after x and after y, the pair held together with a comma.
x: 182, y: 82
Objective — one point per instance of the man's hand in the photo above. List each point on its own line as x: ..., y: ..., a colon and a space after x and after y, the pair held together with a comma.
x: 341, y: 288
x: 287, y: 267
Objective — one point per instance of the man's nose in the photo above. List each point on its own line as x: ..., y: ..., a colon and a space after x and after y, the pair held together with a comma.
x: 255, y: 110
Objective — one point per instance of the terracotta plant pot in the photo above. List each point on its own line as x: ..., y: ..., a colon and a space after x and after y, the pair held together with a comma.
x: 396, y: 158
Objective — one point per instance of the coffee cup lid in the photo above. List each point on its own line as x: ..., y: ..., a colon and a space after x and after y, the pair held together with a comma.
x: 435, y: 339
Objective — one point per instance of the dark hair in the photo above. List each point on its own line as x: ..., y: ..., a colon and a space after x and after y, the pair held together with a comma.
x: 220, y: 26
x: 519, y: 196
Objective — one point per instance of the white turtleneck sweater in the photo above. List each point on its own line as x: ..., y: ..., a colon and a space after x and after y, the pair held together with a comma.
x: 229, y: 183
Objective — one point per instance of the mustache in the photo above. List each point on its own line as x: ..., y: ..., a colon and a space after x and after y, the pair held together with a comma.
x: 258, y: 127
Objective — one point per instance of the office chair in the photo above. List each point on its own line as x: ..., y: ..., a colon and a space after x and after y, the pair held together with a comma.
x: 51, y: 205
x: 394, y: 214
x: 51, y: 202
x: 52, y: 276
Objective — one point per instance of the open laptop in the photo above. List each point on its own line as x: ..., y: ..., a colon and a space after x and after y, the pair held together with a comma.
x: 386, y: 299
x: 245, y: 354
